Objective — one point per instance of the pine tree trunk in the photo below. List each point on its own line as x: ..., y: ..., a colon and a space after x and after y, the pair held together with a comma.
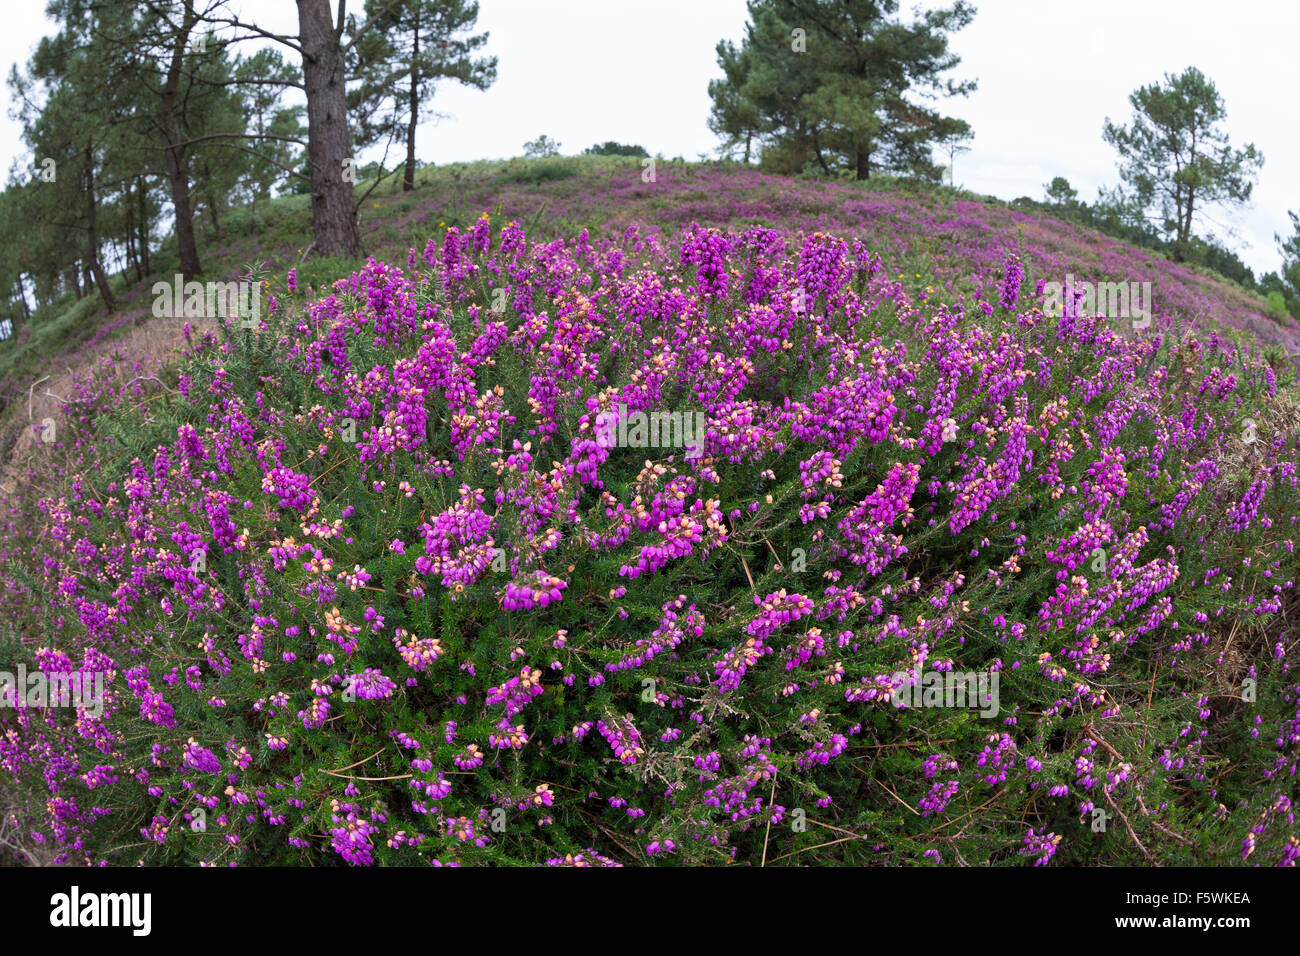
x: 143, y: 198
x: 174, y: 154
x: 864, y: 163
x: 22, y: 297
x: 334, y: 221
x: 92, y: 240
x: 1185, y: 231
x: 132, y: 259
x: 408, y: 181
x: 817, y: 149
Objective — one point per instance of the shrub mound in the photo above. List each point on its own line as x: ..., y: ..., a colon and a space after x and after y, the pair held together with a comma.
x: 434, y: 566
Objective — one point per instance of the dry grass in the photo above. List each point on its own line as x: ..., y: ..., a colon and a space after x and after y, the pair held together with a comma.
x: 23, y: 455
x: 17, y: 848
x: 1241, y: 461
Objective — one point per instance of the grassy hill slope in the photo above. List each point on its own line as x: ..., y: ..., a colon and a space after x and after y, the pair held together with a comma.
x: 629, y: 653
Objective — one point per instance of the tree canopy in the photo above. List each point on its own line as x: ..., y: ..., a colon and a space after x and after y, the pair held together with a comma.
x: 414, y: 45
x: 1175, y: 157
x: 841, y: 86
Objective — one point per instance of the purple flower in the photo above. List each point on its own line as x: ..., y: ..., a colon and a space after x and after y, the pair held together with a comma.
x: 370, y: 684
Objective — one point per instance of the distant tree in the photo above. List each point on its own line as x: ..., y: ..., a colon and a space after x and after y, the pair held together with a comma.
x: 415, y: 44
x: 71, y: 128
x: 174, y: 43
x: 1269, y: 281
x: 1121, y: 214
x: 1275, y: 304
x: 173, y: 108
x: 836, y: 83
x: 954, y: 146
x: 1290, y: 248
x: 217, y: 120
x: 1273, y: 285
x: 276, y: 128
x: 542, y: 146
x: 1176, y: 158
x: 611, y: 148
x: 1061, y: 193
x: 735, y: 115
x: 15, y: 252
x: 1212, y: 254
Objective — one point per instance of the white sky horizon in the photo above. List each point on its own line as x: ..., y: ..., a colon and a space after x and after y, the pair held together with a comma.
x: 587, y: 71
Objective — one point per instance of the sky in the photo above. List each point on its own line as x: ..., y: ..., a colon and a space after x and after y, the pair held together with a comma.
x: 1049, y: 74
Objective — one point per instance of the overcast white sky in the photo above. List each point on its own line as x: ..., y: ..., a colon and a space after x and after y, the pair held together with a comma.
x: 1049, y: 72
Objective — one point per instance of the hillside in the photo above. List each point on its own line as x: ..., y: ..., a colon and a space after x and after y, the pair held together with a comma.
x: 937, y: 237
x: 941, y: 233
x: 413, y: 523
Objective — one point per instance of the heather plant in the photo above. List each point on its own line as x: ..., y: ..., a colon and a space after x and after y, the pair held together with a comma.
x: 367, y: 586
x: 953, y: 239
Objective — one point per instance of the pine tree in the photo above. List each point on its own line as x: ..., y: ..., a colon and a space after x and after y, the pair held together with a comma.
x: 1290, y: 248
x: 836, y: 83
x: 330, y: 163
x: 1175, y: 156
x: 415, y: 44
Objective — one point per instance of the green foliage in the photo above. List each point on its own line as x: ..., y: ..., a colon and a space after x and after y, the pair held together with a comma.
x: 540, y: 170
x: 1275, y: 304
x: 1175, y: 156
x: 407, y: 50
x: 541, y: 147
x: 273, y: 124
x: 1271, y: 282
x: 835, y: 84
x: 1290, y: 248
x: 612, y: 148
x: 1060, y: 193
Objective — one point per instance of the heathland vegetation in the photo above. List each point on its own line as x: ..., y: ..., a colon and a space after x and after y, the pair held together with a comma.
x: 615, y: 509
